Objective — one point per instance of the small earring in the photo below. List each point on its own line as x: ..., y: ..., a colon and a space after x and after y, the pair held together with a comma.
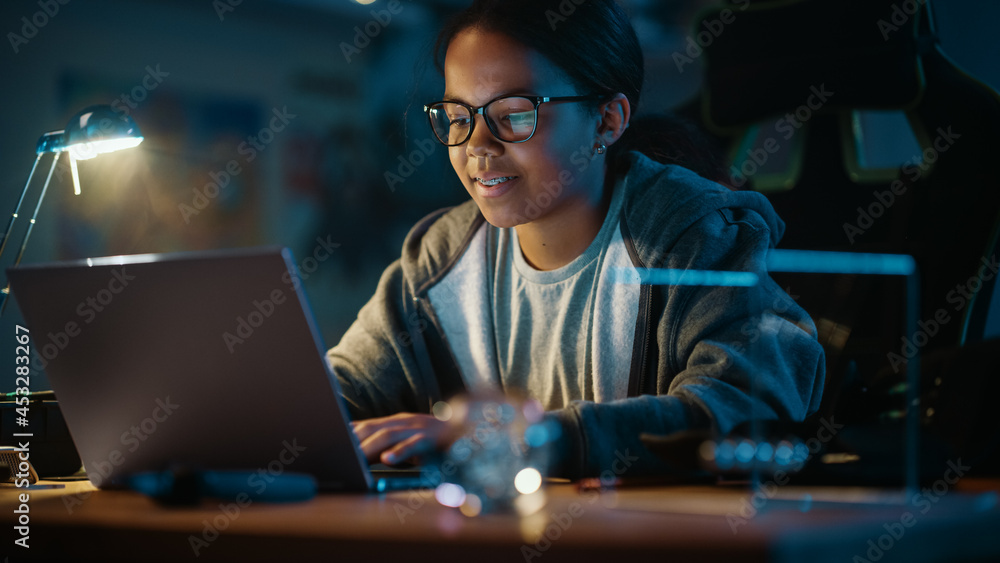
x: 601, y: 149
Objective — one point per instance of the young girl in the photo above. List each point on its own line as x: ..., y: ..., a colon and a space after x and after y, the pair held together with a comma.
x: 519, y: 290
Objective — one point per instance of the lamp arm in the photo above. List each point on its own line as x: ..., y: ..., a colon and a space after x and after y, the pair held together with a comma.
x: 20, y: 201
x: 31, y: 224
x: 38, y: 206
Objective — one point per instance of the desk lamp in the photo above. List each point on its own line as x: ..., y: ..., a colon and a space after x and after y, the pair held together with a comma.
x: 93, y: 131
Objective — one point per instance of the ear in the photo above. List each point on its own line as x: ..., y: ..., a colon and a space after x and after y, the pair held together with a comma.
x: 614, y: 118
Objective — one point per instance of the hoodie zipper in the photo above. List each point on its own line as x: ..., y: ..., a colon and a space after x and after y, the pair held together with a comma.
x: 643, y: 334
x: 644, y: 374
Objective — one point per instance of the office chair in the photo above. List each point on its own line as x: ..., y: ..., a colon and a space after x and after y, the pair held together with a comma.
x: 784, y: 83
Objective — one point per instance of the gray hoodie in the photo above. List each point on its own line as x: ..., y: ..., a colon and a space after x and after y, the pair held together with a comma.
x: 697, y: 349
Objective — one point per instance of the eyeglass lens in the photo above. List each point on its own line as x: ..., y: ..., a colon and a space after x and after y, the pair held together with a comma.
x: 510, y: 119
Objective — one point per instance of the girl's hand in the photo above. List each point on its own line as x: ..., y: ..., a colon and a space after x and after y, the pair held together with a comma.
x: 402, y: 436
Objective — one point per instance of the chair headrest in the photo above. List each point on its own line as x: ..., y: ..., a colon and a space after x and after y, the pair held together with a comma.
x: 766, y: 59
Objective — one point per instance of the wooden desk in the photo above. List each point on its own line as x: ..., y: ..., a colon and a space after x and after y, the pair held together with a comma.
x: 659, y: 524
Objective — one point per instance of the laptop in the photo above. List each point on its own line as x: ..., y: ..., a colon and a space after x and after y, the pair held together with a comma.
x: 207, y: 360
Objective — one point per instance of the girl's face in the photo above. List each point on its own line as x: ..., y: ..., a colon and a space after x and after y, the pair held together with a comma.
x: 550, y: 175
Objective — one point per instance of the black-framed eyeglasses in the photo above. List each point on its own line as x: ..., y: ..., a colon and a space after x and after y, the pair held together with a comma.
x: 512, y: 119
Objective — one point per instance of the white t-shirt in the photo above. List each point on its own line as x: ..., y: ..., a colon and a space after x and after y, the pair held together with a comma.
x: 556, y: 336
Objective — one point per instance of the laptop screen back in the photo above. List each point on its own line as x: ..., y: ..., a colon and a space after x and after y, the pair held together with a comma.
x: 193, y: 360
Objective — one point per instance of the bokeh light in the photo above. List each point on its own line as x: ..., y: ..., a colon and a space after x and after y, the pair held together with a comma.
x: 450, y: 494
x: 527, y: 480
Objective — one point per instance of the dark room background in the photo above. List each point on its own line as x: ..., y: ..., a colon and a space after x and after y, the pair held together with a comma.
x: 318, y: 103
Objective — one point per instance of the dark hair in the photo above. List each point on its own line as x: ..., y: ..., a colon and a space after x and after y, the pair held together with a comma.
x: 673, y: 139
x: 593, y: 42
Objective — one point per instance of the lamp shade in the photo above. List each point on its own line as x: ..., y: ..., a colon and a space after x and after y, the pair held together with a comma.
x: 51, y: 142
x: 99, y: 129
x: 94, y: 130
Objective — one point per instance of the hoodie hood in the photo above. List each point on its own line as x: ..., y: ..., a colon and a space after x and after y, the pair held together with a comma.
x: 676, y: 198
x: 671, y: 200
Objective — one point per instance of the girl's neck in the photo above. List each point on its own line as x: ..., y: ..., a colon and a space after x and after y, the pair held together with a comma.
x: 559, y: 237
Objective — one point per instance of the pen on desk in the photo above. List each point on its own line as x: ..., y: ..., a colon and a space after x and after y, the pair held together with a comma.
x: 604, y: 483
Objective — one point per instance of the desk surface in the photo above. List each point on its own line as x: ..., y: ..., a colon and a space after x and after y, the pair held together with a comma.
x: 702, y: 523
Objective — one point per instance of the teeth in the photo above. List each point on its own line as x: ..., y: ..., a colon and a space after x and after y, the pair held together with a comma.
x: 494, y: 181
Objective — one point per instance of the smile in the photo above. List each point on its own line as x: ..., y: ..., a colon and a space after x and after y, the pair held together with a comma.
x: 495, y: 181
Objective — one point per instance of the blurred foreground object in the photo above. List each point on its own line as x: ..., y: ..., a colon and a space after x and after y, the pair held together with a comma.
x: 499, y: 461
